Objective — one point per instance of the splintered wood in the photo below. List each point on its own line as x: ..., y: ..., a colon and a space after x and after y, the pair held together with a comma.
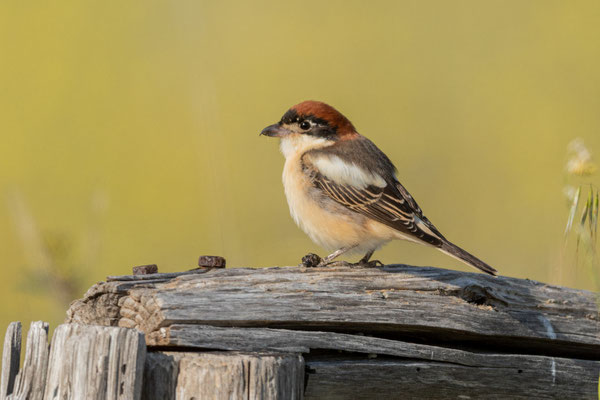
x: 11, y: 355
x: 31, y: 379
x: 85, y: 362
x: 95, y: 362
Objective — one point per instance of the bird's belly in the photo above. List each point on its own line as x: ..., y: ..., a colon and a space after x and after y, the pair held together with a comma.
x: 326, y: 222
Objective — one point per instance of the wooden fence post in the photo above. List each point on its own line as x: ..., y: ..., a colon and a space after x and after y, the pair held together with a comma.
x: 229, y: 375
x: 30, y: 381
x: 85, y: 362
x: 95, y: 362
x: 11, y: 357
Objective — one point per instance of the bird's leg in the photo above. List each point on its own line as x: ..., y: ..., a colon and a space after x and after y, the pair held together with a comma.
x: 367, y: 257
x: 364, y: 262
x: 328, y: 260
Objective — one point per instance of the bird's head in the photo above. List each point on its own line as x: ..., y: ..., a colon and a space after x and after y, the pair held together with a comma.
x: 309, y: 125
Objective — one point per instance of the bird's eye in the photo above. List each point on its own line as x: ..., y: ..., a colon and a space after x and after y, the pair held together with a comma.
x: 305, y: 125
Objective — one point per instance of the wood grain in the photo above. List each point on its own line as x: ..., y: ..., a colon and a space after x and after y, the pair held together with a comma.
x: 514, y: 370
x: 11, y: 358
x: 425, y: 302
x: 261, y: 339
x: 231, y: 375
x: 31, y: 379
x: 95, y: 362
x: 408, y: 379
x: 393, y: 332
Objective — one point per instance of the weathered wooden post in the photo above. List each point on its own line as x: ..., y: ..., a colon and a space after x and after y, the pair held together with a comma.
x: 335, y: 333
x: 84, y: 362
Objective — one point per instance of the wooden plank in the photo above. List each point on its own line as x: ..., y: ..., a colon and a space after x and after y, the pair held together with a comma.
x: 226, y: 376
x: 409, y: 379
x: 157, y: 277
x: 283, y: 340
x: 11, y: 358
x: 435, y: 359
x: 436, y: 304
x: 31, y: 379
x: 95, y: 362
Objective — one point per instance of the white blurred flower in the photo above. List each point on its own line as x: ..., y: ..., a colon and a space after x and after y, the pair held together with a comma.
x: 580, y: 159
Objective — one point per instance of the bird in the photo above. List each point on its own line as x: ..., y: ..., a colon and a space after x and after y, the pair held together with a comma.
x: 343, y: 191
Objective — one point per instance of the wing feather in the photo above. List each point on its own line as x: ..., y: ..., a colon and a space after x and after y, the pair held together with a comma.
x: 391, y: 204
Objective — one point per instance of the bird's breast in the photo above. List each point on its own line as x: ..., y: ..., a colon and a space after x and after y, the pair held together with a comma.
x: 326, y: 222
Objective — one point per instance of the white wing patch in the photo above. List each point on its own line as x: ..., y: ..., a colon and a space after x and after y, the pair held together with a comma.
x: 344, y: 173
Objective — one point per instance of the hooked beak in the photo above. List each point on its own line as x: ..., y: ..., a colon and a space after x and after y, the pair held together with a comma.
x: 275, y: 130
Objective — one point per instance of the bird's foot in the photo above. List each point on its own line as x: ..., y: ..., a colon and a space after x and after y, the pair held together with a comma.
x: 338, y: 263
x: 312, y: 260
x: 369, y: 264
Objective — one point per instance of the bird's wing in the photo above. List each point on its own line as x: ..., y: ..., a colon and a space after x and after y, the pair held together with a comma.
x: 370, y: 194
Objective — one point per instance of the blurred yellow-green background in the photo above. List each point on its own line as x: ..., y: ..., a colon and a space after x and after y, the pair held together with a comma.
x: 130, y: 130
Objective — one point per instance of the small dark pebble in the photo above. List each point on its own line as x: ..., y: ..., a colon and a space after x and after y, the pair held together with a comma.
x: 145, y: 269
x: 211, y: 261
x: 310, y: 260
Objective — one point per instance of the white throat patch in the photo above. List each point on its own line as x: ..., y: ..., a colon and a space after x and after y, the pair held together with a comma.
x: 295, y: 143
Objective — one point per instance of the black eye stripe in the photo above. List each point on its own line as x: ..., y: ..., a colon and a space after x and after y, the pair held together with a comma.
x: 318, y: 127
x: 291, y: 117
x: 325, y: 132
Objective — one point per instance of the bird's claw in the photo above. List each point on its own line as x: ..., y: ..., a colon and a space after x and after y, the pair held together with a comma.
x: 370, y: 264
x: 312, y: 260
x: 339, y: 263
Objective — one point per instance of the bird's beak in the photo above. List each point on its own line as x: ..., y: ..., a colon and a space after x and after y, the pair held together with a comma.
x: 275, y: 130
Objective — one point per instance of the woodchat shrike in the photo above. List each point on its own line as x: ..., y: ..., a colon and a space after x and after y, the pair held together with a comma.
x: 343, y: 191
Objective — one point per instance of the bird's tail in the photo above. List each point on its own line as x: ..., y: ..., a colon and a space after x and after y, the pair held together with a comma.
x: 454, y: 251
